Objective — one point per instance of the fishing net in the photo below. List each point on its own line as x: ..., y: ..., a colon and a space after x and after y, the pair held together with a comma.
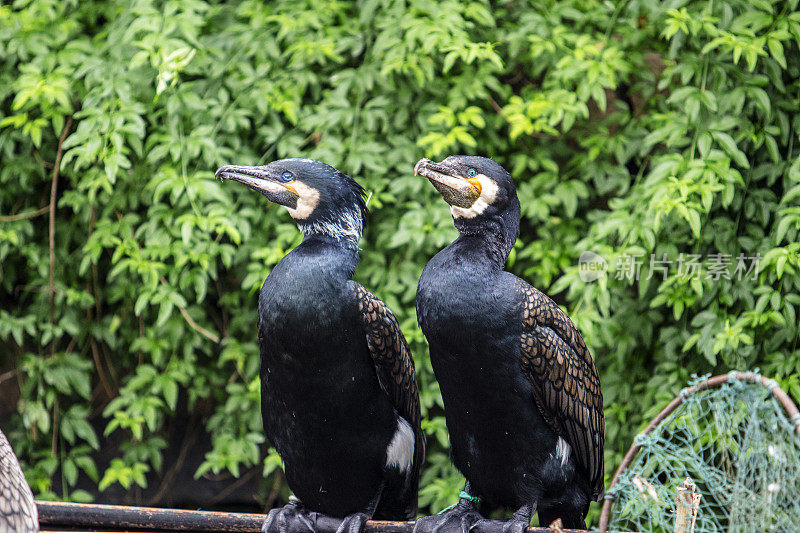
x: 739, y: 446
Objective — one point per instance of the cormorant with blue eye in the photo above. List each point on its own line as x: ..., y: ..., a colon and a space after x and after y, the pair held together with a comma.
x: 521, y: 393
x: 339, y: 394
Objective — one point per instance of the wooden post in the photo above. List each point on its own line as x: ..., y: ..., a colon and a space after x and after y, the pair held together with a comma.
x: 688, y: 502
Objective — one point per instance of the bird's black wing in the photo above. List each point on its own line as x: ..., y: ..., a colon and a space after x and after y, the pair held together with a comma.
x: 393, y: 363
x: 17, y: 510
x: 567, y: 388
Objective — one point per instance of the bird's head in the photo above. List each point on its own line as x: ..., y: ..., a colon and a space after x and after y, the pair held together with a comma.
x: 321, y: 199
x: 481, y: 194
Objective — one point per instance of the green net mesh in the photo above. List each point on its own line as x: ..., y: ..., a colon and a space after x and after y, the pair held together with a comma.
x: 737, y: 444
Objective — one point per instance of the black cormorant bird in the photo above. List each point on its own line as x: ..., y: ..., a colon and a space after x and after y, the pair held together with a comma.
x: 521, y: 393
x: 17, y: 509
x: 339, y: 395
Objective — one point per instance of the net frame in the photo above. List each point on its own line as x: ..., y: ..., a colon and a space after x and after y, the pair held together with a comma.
x: 770, y: 384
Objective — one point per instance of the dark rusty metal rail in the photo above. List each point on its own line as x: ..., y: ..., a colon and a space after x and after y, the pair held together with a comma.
x: 94, y: 517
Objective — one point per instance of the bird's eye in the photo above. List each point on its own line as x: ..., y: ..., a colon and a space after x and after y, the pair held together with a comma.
x: 287, y: 176
x: 472, y: 173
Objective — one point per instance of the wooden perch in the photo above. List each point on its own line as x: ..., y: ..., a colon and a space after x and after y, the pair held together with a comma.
x: 95, y: 517
x: 688, y: 502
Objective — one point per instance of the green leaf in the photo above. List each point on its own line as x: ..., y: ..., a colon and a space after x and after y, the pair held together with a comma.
x: 776, y: 50
x: 729, y: 145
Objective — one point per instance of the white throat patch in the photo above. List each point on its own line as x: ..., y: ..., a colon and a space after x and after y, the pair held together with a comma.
x: 308, y: 201
x: 488, y: 195
x: 400, y: 453
x: 347, y: 226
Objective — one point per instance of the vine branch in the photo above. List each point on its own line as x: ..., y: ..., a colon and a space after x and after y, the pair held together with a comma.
x: 52, y: 207
x: 26, y: 214
x: 194, y: 325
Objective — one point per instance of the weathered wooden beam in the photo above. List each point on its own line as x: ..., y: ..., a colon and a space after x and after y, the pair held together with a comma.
x: 55, y: 515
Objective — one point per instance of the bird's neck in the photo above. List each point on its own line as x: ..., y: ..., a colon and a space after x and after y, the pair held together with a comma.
x: 344, y: 227
x: 334, y: 255
x: 493, y: 237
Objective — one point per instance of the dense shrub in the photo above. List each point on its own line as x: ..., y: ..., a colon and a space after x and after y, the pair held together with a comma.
x: 631, y: 128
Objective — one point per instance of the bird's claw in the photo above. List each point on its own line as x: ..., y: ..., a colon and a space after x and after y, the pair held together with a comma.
x: 457, y: 520
x: 513, y: 525
x: 291, y: 518
x: 353, y: 523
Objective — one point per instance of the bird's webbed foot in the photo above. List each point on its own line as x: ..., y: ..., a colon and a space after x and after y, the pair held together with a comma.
x: 459, y: 519
x: 512, y: 525
x: 518, y: 523
x: 353, y: 523
x: 291, y: 518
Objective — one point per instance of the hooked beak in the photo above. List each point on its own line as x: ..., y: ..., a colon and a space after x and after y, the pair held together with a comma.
x: 455, y: 189
x: 261, y: 179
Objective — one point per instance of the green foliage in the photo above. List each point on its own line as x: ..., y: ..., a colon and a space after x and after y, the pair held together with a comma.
x: 631, y: 128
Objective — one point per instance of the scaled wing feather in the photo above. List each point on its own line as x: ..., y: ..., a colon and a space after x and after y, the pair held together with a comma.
x: 17, y: 508
x: 556, y: 361
x: 393, y: 364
